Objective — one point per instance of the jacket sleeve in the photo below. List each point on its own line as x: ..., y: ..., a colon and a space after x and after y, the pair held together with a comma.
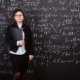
x: 9, y: 40
x: 30, y: 42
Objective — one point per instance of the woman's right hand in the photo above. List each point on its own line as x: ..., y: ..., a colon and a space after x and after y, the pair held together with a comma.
x: 21, y: 42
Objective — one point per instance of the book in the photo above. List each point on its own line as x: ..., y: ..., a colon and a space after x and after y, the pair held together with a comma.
x: 16, y: 33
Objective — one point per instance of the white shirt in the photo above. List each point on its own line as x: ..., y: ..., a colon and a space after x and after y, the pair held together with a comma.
x: 21, y: 50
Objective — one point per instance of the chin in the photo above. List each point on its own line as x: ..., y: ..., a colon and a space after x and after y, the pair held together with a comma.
x: 20, y: 21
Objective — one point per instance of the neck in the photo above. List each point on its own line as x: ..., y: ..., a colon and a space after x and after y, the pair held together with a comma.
x: 19, y: 23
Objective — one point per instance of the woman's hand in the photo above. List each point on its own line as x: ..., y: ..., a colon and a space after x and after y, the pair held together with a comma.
x: 21, y: 42
x: 30, y: 57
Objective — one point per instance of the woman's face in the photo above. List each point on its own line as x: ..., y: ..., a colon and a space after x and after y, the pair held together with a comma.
x: 18, y: 17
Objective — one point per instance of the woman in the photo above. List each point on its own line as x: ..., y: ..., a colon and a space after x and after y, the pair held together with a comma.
x: 20, y: 50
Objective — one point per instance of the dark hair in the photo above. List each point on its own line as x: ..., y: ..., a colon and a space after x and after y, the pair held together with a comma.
x: 16, y: 10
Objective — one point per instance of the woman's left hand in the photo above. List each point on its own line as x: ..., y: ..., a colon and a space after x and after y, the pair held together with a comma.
x: 30, y: 57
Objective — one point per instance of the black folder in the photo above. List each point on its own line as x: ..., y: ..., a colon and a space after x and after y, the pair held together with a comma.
x: 16, y: 33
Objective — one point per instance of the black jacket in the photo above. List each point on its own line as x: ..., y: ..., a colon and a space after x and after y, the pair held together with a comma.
x: 28, y: 38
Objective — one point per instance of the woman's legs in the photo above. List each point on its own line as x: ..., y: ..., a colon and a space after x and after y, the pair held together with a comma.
x: 19, y: 76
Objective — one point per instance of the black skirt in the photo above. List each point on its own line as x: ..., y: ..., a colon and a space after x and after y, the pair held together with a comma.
x: 19, y: 62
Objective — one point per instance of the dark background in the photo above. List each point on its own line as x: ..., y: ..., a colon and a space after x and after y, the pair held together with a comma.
x: 55, y: 25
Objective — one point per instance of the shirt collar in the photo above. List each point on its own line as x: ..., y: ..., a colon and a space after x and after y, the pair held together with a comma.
x: 15, y: 25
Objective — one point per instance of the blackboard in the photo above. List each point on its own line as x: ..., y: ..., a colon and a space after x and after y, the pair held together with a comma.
x: 55, y: 25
